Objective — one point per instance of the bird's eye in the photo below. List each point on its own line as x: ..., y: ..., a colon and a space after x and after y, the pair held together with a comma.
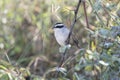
x: 59, y: 26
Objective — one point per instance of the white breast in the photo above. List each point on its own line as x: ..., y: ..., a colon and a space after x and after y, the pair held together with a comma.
x: 61, y: 35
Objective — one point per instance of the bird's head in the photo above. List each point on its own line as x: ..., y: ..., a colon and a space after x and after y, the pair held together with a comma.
x: 58, y: 25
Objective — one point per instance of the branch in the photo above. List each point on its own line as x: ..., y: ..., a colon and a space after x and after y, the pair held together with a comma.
x: 101, y: 21
x: 61, y: 62
x: 84, y: 6
x: 74, y: 21
x: 62, y: 59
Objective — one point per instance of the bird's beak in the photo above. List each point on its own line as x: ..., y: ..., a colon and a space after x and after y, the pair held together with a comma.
x: 52, y: 27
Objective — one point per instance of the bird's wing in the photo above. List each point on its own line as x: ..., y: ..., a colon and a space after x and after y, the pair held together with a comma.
x: 74, y: 40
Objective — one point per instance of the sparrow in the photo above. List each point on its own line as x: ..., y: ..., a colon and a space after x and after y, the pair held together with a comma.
x: 61, y: 33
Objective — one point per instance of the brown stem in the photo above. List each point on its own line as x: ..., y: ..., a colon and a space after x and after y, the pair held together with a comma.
x: 74, y: 21
x: 84, y: 6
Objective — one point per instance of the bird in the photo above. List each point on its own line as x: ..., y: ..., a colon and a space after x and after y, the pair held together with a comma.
x: 61, y: 33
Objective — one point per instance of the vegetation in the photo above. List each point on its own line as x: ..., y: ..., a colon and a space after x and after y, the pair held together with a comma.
x: 29, y: 51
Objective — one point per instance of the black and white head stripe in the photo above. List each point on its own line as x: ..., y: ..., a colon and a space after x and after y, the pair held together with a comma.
x: 59, y: 25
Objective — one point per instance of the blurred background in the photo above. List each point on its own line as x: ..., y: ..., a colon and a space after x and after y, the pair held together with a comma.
x: 28, y: 47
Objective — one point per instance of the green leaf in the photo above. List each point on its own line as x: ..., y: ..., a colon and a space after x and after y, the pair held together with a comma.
x: 4, y: 77
x: 104, y: 32
x: 103, y: 63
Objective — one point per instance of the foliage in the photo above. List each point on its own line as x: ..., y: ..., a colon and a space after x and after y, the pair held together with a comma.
x: 8, y: 72
x: 28, y: 48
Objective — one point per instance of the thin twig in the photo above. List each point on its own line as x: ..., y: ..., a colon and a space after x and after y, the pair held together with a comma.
x: 7, y: 57
x: 74, y: 56
x: 62, y: 59
x: 74, y: 21
x: 84, y: 6
x: 101, y: 21
x: 109, y: 15
x: 61, y: 62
